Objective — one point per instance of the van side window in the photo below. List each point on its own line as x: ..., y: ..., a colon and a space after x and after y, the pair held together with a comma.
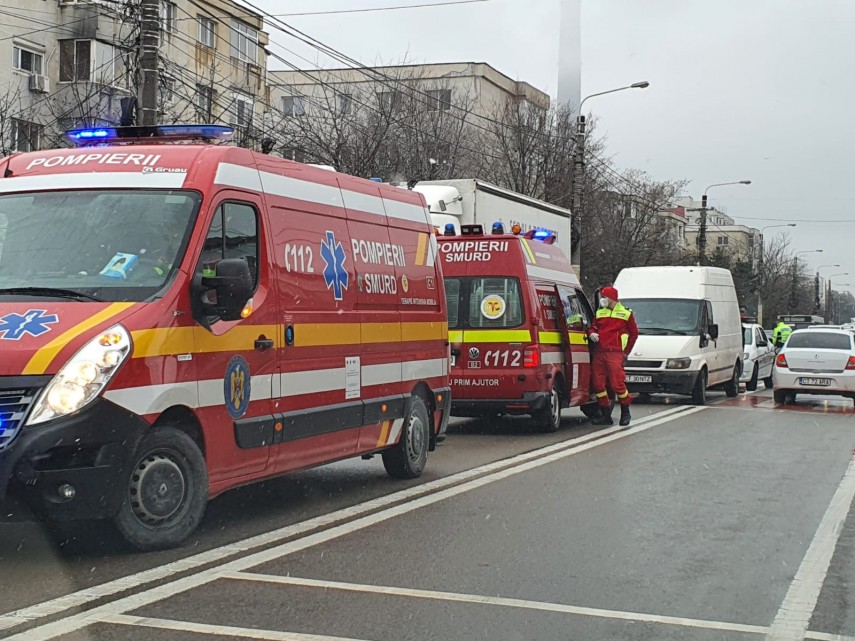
x: 761, y: 336
x: 574, y: 313
x: 452, y: 298
x: 503, y: 294
x: 233, y: 234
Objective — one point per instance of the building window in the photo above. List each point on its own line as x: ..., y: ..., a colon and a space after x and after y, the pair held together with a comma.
x: 26, y: 136
x: 293, y: 106
x: 27, y: 60
x: 388, y: 100
x: 205, y: 103
x: 207, y: 31
x: 75, y: 60
x: 723, y: 240
x: 167, y: 16
x: 345, y: 103
x: 167, y: 91
x: 242, y: 110
x: 244, y: 42
x: 439, y: 99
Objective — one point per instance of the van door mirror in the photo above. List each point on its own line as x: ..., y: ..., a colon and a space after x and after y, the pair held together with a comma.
x: 231, y: 287
x: 712, y: 330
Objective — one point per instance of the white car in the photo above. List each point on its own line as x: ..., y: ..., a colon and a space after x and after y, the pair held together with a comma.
x: 758, y: 358
x: 818, y: 360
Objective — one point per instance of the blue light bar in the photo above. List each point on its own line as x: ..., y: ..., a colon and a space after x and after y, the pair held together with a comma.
x: 449, y: 229
x: 542, y: 234
x: 210, y: 132
x: 92, y: 134
x: 498, y: 228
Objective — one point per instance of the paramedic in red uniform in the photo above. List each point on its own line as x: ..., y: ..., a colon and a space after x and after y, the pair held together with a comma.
x: 613, y: 334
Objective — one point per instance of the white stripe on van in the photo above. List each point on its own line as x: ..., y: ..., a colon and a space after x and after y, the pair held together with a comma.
x: 93, y: 180
x: 552, y: 358
x: 552, y: 275
x: 381, y: 374
x: 231, y: 175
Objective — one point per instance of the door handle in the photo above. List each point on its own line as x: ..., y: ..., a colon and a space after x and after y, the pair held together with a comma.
x: 455, y: 352
x: 262, y: 344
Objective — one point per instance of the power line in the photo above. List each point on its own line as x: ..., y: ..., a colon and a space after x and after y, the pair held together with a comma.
x: 372, y: 9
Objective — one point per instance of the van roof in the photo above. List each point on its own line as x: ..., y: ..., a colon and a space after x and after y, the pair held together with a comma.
x: 671, y: 281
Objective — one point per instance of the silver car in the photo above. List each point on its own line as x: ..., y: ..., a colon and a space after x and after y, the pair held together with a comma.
x: 819, y: 360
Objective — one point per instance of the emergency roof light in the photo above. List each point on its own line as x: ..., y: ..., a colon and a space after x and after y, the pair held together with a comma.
x: 149, y: 134
x: 498, y: 228
x: 472, y: 230
x: 543, y: 235
x: 449, y: 229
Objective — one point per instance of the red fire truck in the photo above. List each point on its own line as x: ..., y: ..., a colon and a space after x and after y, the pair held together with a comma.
x: 517, y: 324
x: 177, y: 320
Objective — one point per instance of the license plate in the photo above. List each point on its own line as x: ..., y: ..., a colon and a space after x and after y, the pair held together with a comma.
x: 636, y: 378
x: 821, y: 382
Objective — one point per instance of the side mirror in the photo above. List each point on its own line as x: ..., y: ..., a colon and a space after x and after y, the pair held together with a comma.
x: 763, y: 344
x: 712, y: 330
x: 232, y: 287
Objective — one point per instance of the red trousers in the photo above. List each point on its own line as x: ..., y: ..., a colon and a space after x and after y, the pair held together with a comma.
x: 607, y: 372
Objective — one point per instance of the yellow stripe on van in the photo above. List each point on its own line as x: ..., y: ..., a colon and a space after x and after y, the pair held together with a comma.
x: 492, y: 336
x: 550, y: 338
x: 578, y: 338
x: 42, y: 359
x: 529, y: 254
x: 420, y: 252
x: 424, y: 331
x: 186, y: 340
x: 321, y: 334
x: 455, y: 336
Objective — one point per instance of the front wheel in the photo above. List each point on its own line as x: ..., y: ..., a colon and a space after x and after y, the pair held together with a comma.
x: 731, y: 388
x: 166, y: 491
x: 408, y: 458
x: 699, y: 392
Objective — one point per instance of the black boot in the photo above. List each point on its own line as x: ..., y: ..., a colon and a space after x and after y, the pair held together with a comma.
x: 605, y: 417
x: 624, y: 415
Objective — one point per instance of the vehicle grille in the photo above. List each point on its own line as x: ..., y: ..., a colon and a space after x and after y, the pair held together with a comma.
x: 645, y: 364
x: 14, y: 405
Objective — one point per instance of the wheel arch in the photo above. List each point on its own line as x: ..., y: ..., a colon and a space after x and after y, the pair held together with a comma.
x: 183, y: 418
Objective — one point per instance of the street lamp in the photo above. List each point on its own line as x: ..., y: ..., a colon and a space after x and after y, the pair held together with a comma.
x: 761, y: 281
x: 579, y: 169
x: 702, y: 233
x: 817, y: 303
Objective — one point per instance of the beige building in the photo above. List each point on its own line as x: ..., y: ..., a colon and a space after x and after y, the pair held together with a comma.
x: 72, y: 63
x: 739, y: 242
x: 476, y: 86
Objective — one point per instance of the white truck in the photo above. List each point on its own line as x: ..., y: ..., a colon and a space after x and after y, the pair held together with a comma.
x: 471, y: 201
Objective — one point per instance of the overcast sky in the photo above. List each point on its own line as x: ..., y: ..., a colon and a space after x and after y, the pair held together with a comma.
x: 756, y: 89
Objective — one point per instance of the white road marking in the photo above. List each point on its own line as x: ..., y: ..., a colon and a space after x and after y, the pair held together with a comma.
x: 76, y: 622
x: 219, y: 630
x: 794, y: 615
x: 825, y: 636
x: 117, y: 586
x: 478, y: 599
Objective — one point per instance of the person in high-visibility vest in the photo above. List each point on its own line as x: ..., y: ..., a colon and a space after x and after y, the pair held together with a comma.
x: 781, y: 333
x: 613, y: 334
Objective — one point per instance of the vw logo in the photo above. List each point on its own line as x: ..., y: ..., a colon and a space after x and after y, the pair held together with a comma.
x: 474, y: 353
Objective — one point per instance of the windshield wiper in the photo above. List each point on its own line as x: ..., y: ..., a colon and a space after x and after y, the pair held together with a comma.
x: 50, y: 291
x: 661, y: 331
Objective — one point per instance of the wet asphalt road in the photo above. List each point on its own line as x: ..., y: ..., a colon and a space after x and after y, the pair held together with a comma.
x: 692, y: 525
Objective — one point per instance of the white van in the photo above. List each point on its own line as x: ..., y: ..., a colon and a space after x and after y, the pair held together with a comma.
x: 690, y: 332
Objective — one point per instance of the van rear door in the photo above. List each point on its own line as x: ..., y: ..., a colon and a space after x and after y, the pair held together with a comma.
x: 576, y: 318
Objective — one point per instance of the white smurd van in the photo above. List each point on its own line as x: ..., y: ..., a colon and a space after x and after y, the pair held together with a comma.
x: 690, y: 333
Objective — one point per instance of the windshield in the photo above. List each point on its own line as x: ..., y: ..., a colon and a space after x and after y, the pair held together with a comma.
x: 666, y: 316
x: 485, y: 303
x: 819, y: 340
x: 115, y: 245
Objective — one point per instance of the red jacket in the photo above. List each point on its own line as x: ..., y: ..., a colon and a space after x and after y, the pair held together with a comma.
x: 617, y: 329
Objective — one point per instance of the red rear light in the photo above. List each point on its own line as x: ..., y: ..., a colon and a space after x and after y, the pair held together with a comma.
x: 781, y: 361
x: 532, y: 357
x: 851, y: 363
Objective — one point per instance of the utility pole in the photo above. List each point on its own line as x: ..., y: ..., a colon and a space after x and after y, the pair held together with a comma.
x: 149, y: 48
x: 816, y: 301
x: 794, y: 296
x: 578, y: 183
x: 702, y: 232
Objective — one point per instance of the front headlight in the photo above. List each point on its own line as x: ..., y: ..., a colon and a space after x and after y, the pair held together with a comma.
x: 678, y: 363
x: 84, y: 376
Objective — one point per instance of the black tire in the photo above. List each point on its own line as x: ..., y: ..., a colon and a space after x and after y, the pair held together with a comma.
x: 699, y: 391
x: 768, y: 383
x: 166, y: 491
x: 784, y: 397
x: 751, y: 385
x: 407, y: 459
x: 731, y: 388
x: 549, y: 418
